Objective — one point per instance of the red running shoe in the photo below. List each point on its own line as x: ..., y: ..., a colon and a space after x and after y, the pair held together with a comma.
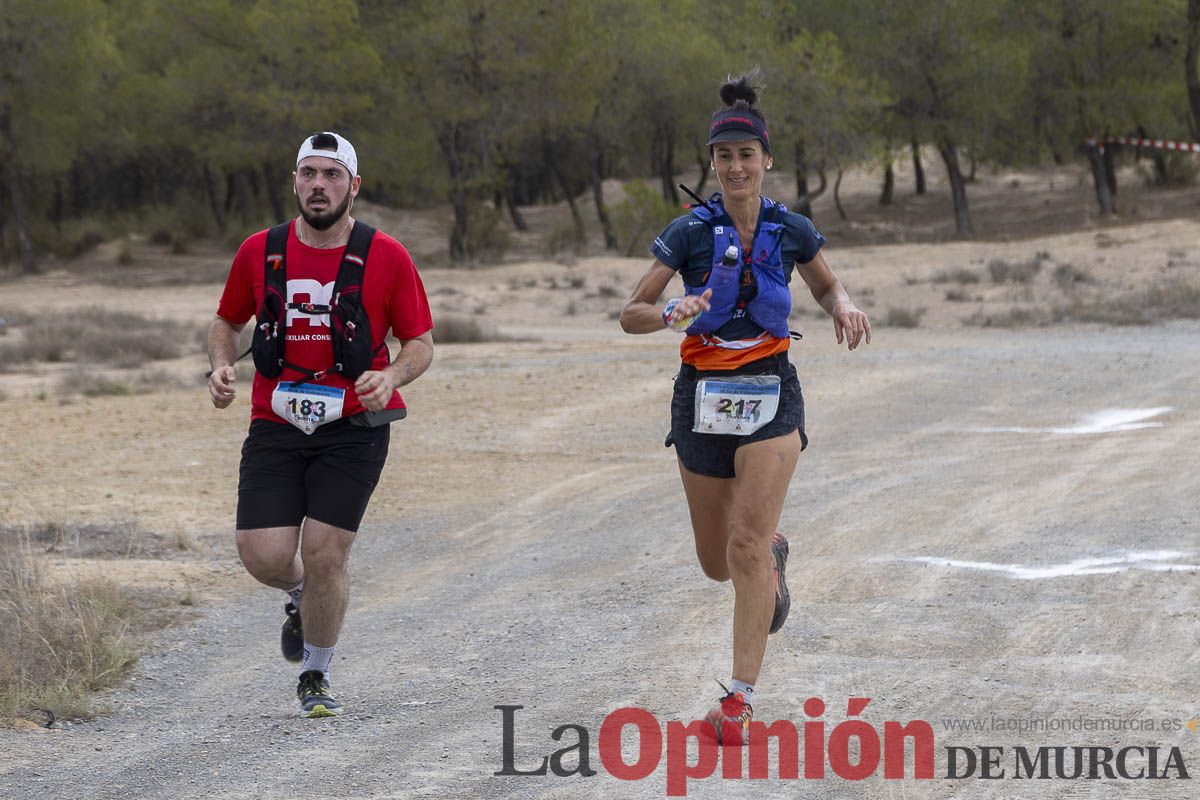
x: 730, y: 720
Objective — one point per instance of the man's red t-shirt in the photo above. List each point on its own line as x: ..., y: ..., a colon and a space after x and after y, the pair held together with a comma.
x: 392, y: 295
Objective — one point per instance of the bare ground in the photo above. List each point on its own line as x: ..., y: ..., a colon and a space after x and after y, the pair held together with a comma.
x: 529, y: 543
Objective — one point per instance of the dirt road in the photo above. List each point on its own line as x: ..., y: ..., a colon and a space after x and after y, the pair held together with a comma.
x: 529, y: 547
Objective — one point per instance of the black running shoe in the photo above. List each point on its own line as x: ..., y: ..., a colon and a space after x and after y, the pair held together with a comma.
x: 291, y: 640
x: 783, y: 600
x: 315, y: 698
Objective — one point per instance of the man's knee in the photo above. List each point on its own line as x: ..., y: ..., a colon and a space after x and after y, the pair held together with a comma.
x: 263, y: 559
x: 325, y: 562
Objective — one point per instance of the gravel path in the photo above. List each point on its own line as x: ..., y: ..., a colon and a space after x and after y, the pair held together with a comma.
x: 565, y: 582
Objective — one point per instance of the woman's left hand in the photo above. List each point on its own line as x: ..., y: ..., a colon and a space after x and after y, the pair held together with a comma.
x: 851, y: 325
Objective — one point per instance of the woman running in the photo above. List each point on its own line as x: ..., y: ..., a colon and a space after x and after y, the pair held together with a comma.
x: 737, y: 415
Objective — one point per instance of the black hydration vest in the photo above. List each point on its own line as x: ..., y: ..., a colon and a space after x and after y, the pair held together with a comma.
x: 349, y: 328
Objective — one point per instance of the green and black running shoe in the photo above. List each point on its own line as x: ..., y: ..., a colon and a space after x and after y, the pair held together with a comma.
x: 783, y: 600
x: 291, y: 640
x: 315, y: 698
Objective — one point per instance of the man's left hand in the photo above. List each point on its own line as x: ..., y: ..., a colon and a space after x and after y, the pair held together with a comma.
x: 375, y: 388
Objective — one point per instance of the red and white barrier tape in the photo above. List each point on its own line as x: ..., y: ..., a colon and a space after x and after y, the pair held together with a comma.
x: 1156, y: 144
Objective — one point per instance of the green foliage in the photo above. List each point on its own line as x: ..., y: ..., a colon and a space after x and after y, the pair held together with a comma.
x: 108, y: 109
x: 641, y: 216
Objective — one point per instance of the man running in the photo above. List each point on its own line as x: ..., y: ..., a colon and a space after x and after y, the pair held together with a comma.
x: 325, y: 290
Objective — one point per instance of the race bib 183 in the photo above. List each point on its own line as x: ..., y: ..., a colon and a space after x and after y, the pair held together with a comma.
x: 307, y: 405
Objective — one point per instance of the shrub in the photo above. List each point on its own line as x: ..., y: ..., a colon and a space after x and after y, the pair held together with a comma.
x: 564, y: 238
x: 903, y: 317
x: 1013, y: 318
x: 957, y: 275
x: 58, y: 642
x: 1017, y: 271
x: 1068, y: 275
x: 125, y: 253
x: 461, y: 329
x: 488, y: 238
x: 1168, y: 300
x: 640, y: 216
x: 97, y: 336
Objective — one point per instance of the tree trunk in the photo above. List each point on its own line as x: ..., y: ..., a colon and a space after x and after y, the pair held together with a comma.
x: 918, y: 169
x: 1190, y: 66
x: 958, y: 187
x: 3, y: 225
x: 705, y: 168
x: 21, y: 213
x: 274, y: 188
x: 56, y: 206
x: 552, y: 164
x: 666, y: 164
x: 450, y: 140
x: 514, y: 213
x: 1160, y: 163
x: 230, y: 191
x: 1110, y: 170
x: 889, y: 185
x: 837, y: 200
x: 210, y: 188
x: 610, y: 236
x: 77, y: 201
x: 803, y: 199
x: 1103, y: 195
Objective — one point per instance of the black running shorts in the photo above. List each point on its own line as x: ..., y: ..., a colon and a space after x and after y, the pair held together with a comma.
x: 329, y: 476
x: 711, y: 454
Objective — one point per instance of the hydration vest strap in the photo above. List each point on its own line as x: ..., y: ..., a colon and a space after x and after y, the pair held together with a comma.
x: 354, y: 259
x: 310, y: 308
x: 309, y: 374
x: 275, y: 265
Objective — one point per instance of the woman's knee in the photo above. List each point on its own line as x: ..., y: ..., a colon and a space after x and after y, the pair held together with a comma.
x: 714, y: 567
x: 748, y: 548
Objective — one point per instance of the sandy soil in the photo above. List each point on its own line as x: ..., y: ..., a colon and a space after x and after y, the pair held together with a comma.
x: 528, y: 543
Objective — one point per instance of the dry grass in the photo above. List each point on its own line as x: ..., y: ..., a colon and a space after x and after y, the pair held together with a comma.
x: 1178, y: 299
x: 1002, y: 271
x: 82, y: 381
x: 58, y: 643
x: 96, y: 336
x: 1067, y: 276
x: 1012, y: 318
x: 903, y: 317
x: 460, y: 329
x: 958, y: 275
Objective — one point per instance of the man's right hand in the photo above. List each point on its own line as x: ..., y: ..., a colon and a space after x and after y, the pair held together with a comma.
x: 220, y: 386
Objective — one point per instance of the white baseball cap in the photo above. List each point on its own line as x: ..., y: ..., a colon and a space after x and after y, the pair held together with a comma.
x: 314, y: 146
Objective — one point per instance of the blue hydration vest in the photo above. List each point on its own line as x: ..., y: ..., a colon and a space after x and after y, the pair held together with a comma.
x: 772, y: 303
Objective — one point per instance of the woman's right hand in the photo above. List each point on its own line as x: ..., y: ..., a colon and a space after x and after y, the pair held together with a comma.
x: 686, y: 309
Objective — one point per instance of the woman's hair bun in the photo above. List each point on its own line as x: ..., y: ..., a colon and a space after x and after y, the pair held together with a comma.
x: 741, y: 87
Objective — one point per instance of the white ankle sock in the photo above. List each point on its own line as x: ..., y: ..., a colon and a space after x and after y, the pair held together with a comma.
x: 317, y: 658
x: 741, y: 686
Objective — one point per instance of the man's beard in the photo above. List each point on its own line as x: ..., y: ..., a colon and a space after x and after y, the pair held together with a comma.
x: 323, y: 220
